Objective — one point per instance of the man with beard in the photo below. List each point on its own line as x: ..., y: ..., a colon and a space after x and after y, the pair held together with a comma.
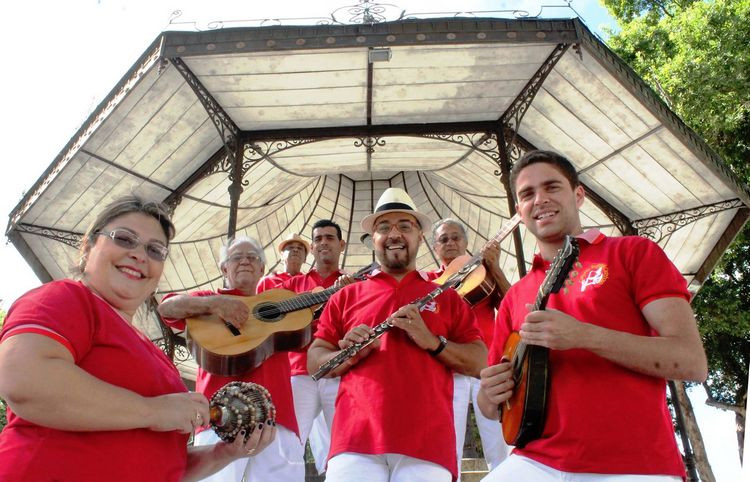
x: 394, y: 416
x: 623, y: 327
x: 449, y: 241
x: 242, y: 264
x: 314, y: 400
x: 293, y: 251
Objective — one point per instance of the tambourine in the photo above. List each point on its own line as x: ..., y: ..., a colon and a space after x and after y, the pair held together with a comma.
x: 239, y: 406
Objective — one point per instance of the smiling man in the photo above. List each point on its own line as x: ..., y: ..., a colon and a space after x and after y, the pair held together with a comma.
x: 623, y: 328
x: 314, y: 400
x: 242, y: 264
x: 394, y: 416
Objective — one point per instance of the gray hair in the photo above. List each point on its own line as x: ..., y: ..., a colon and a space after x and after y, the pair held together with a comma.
x: 450, y: 221
x: 224, y: 253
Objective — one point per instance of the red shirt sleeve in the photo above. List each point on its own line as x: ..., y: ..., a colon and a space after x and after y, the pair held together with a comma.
x: 654, y: 275
x: 61, y: 310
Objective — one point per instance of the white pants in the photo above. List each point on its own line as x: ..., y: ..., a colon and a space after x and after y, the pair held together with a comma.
x: 353, y: 467
x: 315, y: 402
x: 495, y: 449
x: 490, y: 431
x: 461, y: 399
x: 281, y: 461
x: 521, y: 469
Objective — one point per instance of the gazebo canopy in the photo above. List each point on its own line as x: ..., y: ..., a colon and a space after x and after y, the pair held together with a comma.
x: 264, y: 130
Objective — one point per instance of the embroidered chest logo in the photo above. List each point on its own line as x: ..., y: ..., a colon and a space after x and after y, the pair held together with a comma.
x: 595, y: 275
x: 431, y: 306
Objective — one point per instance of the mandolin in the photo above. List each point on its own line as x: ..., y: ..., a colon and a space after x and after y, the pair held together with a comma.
x: 280, y: 320
x: 477, y: 285
x: 523, y: 415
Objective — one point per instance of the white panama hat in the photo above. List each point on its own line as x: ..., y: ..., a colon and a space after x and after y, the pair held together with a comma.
x: 394, y: 200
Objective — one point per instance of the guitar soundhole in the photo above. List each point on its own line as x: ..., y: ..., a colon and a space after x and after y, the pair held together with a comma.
x: 268, y: 312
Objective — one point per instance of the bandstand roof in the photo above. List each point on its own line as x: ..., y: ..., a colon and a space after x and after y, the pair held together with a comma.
x: 316, y: 121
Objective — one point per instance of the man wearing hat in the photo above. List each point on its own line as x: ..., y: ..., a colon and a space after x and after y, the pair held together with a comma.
x: 394, y: 416
x: 294, y: 251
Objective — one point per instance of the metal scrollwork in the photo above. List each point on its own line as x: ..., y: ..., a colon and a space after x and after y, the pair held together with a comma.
x: 181, y: 353
x: 369, y: 143
x: 70, y: 238
x: 484, y: 143
x: 659, y: 227
x: 228, y: 130
x: 367, y: 12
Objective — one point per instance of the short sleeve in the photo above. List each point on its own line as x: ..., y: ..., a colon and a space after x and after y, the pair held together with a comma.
x: 62, y: 310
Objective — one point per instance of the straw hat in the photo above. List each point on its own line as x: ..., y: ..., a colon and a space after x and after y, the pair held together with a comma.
x: 394, y: 200
x: 294, y: 237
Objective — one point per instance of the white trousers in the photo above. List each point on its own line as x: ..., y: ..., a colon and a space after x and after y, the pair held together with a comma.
x: 490, y: 432
x: 521, y: 469
x: 465, y: 390
x: 314, y: 404
x: 354, y: 467
x: 281, y: 461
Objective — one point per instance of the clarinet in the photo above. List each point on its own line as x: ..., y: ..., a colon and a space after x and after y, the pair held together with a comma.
x: 347, y: 353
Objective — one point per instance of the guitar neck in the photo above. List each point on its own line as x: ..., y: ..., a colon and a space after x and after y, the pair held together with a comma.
x: 501, y: 235
x: 307, y: 300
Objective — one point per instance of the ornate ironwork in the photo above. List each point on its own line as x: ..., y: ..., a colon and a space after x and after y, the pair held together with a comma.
x: 228, y: 130
x: 369, y: 143
x: 484, y: 143
x: 71, y: 238
x: 364, y: 12
x: 659, y: 227
x: 181, y: 353
x: 367, y: 13
x: 512, y: 117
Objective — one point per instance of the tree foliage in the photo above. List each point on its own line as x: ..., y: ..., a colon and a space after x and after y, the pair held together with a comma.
x: 696, y: 54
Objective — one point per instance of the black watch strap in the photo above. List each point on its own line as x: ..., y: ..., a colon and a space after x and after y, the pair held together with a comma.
x: 440, y: 347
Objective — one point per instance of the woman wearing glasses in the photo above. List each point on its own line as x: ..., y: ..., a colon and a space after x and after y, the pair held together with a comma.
x: 90, y: 397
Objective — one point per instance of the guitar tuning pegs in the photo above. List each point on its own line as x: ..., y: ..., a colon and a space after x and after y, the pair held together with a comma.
x: 573, y: 275
x: 565, y: 289
x: 578, y: 264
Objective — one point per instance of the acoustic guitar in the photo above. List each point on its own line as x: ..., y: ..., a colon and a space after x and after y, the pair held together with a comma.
x: 280, y: 320
x: 524, y: 413
x: 477, y: 285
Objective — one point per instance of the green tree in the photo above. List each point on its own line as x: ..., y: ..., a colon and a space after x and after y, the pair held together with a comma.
x: 695, y: 54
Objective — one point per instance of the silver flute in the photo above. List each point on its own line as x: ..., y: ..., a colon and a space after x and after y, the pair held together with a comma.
x: 345, y: 354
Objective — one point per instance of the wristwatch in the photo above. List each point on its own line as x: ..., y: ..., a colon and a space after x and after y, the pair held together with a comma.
x: 440, y: 347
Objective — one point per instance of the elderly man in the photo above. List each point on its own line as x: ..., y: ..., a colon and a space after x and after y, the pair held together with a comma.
x: 294, y: 251
x: 394, y: 416
x: 242, y: 265
x: 449, y: 241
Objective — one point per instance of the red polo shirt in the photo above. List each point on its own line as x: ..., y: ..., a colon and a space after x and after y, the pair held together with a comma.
x: 602, y: 417
x: 398, y: 399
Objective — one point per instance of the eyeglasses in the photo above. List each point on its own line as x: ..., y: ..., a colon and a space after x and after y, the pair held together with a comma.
x: 403, y: 227
x: 129, y: 240
x: 238, y: 257
x: 453, y: 237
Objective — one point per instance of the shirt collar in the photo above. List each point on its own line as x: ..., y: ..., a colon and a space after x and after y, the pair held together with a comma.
x: 590, y: 236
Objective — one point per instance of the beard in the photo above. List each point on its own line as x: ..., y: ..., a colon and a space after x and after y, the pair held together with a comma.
x: 394, y: 261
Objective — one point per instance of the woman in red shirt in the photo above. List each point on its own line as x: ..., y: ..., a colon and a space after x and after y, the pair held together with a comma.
x: 89, y: 396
